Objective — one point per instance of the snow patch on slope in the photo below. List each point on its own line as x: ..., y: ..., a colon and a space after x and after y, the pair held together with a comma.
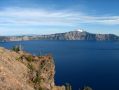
x: 80, y: 30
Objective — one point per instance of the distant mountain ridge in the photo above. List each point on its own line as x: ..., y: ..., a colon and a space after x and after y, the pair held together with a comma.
x: 72, y: 35
x: 80, y: 35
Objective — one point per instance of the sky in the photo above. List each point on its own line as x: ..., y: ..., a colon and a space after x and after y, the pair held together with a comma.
x: 22, y: 17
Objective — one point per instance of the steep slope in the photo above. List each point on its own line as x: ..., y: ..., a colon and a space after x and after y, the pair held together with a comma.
x: 22, y: 71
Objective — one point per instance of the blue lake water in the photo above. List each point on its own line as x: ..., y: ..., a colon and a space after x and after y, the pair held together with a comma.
x: 80, y: 63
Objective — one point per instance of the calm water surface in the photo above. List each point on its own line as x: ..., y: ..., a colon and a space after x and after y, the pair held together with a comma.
x: 80, y: 63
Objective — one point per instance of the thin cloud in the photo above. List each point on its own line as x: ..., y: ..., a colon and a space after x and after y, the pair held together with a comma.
x: 19, y: 16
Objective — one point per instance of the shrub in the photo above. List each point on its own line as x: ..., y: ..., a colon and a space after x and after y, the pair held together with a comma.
x: 37, y: 78
x: 68, y: 86
x: 29, y: 58
x: 17, y: 48
x: 30, y: 66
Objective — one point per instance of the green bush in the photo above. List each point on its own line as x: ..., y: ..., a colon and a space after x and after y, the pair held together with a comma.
x: 37, y: 79
x: 30, y: 66
x: 68, y: 86
x: 29, y: 58
x: 17, y: 48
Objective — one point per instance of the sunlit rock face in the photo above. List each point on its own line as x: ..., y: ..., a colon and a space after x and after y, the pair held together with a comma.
x: 22, y: 71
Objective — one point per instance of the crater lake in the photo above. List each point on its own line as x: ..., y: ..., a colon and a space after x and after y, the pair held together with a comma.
x: 80, y: 63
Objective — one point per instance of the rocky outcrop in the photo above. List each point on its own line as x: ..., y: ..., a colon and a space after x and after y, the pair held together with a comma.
x: 73, y: 35
x: 22, y: 71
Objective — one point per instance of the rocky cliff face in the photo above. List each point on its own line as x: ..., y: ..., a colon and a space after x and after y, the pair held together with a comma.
x: 22, y: 71
x: 77, y: 35
x: 73, y: 35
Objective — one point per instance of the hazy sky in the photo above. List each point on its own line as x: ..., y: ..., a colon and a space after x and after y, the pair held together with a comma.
x: 52, y: 16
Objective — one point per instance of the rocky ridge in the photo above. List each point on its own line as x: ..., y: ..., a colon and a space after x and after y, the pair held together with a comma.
x: 72, y: 35
x: 23, y: 71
